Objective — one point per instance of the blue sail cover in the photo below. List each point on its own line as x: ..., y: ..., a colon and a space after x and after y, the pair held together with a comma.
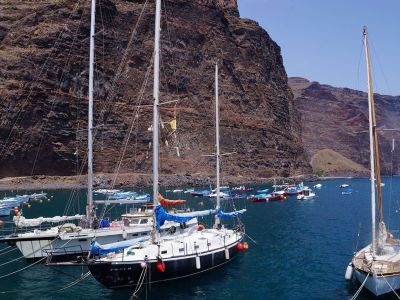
x: 233, y: 214
x: 98, y: 249
x: 162, y: 216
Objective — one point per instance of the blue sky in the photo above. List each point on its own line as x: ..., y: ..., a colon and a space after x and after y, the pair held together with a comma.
x: 321, y: 40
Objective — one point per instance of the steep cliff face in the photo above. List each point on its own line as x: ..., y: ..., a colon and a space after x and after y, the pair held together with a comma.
x: 44, y: 58
x: 337, y: 119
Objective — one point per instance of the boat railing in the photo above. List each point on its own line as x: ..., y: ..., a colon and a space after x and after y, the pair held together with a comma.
x: 64, y: 251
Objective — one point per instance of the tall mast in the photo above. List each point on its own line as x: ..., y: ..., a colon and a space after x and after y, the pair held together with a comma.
x: 90, y: 206
x: 217, y: 136
x: 374, y: 148
x: 156, y: 95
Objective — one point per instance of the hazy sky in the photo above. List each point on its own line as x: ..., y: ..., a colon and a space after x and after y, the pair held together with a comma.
x: 321, y: 40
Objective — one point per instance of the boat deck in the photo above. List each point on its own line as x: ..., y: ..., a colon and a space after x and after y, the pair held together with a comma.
x: 386, y: 264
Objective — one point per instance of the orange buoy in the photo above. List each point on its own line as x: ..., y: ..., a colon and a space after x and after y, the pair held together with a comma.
x: 200, y: 227
x: 239, y: 247
x: 245, y: 245
x: 1, y: 223
x: 160, y: 266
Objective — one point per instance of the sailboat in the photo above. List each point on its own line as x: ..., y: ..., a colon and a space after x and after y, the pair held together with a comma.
x: 376, y: 266
x: 164, y: 259
x: 69, y: 241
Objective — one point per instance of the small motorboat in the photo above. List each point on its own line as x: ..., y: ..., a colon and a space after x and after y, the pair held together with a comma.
x: 292, y: 190
x: 306, y: 195
x: 266, y: 197
x: 347, y: 192
x: 344, y: 185
x: 317, y: 186
x: 242, y: 189
x: 203, y: 193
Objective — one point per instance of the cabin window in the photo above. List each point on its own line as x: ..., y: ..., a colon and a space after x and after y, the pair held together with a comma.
x: 196, y: 246
x: 135, y: 234
x: 130, y: 252
x: 181, y: 249
x: 164, y: 252
x: 144, y: 221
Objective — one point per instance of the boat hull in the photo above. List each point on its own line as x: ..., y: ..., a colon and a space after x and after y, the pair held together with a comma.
x: 73, y: 246
x: 377, y: 284
x: 123, y: 274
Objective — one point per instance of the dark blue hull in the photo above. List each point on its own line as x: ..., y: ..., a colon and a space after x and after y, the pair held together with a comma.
x: 127, y: 274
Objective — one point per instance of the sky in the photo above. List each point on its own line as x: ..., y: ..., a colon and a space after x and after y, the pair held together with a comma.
x: 321, y: 40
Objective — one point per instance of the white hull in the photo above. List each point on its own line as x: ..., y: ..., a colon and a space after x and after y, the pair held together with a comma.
x: 377, y: 284
x: 38, y: 245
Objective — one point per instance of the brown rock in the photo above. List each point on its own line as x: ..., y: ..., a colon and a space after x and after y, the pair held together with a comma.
x: 44, y: 86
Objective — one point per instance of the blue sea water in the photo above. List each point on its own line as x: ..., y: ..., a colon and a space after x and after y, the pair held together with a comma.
x: 301, y: 251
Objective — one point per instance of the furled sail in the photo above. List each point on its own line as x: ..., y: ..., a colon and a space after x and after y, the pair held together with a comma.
x: 21, y: 221
x: 162, y: 216
x: 195, y: 214
x: 98, y: 249
x: 233, y: 214
x: 168, y: 203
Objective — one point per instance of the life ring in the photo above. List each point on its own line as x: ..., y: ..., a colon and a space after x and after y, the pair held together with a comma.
x: 172, y: 230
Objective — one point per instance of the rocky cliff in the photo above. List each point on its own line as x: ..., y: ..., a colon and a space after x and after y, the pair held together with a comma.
x: 43, y: 89
x: 337, y: 119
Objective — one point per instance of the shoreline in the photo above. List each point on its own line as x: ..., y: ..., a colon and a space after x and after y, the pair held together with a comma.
x: 135, y: 180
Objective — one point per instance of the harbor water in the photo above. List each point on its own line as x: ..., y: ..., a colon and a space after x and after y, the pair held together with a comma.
x: 298, y: 250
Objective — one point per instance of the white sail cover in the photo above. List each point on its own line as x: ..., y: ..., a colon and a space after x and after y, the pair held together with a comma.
x: 195, y: 214
x: 21, y: 221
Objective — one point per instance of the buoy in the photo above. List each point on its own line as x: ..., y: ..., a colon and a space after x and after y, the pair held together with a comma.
x: 160, y: 266
x: 41, y: 201
x: 245, y: 245
x: 143, y: 264
x: 198, y: 264
x: 1, y: 223
x: 124, y: 235
x: 239, y: 247
x: 29, y: 206
x: 226, y: 253
x: 48, y: 200
x: 349, y: 272
x: 200, y: 227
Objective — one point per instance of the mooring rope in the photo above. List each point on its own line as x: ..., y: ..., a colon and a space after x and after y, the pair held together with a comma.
x: 140, y: 283
x: 390, y: 287
x: 360, y: 288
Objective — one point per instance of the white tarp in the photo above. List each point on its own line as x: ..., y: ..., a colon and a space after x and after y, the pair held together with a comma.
x: 21, y: 221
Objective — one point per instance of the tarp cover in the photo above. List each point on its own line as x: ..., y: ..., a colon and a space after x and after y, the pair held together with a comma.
x: 162, y: 216
x: 233, y: 214
x: 97, y: 249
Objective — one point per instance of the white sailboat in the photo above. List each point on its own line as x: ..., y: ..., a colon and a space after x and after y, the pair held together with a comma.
x: 69, y: 241
x: 376, y: 266
x: 170, y: 258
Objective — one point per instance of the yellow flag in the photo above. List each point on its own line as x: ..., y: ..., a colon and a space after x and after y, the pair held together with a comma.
x: 173, y: 124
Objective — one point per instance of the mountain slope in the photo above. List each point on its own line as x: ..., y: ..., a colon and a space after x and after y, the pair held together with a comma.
x: 44, y: 54
x: 337, y: 118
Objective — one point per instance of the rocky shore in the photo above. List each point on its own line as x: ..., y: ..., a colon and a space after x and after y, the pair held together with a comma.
x: 129, y: 180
